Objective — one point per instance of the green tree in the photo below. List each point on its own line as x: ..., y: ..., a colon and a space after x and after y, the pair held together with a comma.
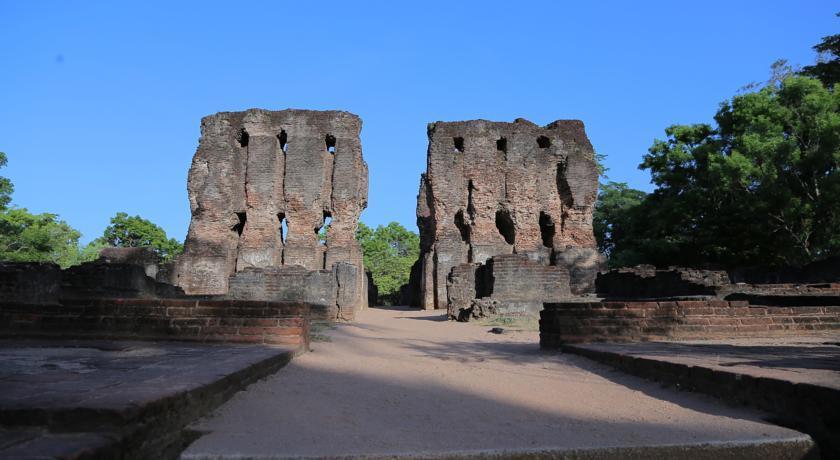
x: 760, y: 187
x: 27, y: 237
x: 389, y: 252
x: 827, y: 67
x: 615, y: 214
x: 6, y: 187
x: 133, y: 231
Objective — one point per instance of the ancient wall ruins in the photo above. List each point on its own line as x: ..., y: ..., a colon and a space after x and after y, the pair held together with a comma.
x: 262, y: 186
x: 501, y: 188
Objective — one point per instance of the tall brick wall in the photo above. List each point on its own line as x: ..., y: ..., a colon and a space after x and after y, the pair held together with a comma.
x: 678, y: 320
x: 262, y: 185
x: 493, y: 188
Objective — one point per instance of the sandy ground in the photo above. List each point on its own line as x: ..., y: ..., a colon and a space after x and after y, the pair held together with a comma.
x: 399, y: 381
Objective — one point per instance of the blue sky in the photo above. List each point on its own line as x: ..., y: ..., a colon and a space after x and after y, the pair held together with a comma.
x: 100, y: 102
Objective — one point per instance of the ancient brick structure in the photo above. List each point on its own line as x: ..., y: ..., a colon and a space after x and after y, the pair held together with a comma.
x: 507, y: 285
x: 625, y: 321
x: 262, y: 185
x: 229, y: 321
x: 646, y: 281
x: 501, y: 188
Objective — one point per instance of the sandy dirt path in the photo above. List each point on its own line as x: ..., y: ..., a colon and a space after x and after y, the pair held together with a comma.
x: 400, y: 381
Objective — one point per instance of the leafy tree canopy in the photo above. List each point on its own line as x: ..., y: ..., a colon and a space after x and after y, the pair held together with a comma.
x: 389, y: 252
x: 6, y: 187
x: 615, y: 213
x: 134, y: 231
x: 760, y: 187
x: 27, y: 237
x: 827, y: 67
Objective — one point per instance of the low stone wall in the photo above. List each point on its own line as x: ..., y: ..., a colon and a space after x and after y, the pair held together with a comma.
x: 229, y: 321
x: 646, y: 281
x: 333, y: 294
x: 569, y: 322
x: 30, y: 282
x: 507, y: 285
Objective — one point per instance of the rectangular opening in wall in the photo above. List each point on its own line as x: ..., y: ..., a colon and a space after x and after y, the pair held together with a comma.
x: 458, y: 143
x: 242, y: 137
x: 547, y: 230
x: 283, y: 228
x: 322, y: 231
x: 239, y: 227
x: 504, y: 224
x: 283, y: 138
x: 329, y: 141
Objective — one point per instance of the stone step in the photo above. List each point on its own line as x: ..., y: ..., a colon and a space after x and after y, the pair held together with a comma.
x: 133, y: 398
x: 797, y: 380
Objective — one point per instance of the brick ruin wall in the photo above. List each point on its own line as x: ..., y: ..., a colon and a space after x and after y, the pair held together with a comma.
x: 262, y: 185
x: 507, y: 285
x: 628, y: 321
x: 505, y: 188
x: 195, y: 320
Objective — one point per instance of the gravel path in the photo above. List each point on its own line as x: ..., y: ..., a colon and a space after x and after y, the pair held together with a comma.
x: 401, y: 381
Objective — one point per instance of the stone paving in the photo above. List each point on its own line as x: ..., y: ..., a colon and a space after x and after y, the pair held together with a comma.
x: 407, y: 383
x: 813, y: 359
x: 76, y: 396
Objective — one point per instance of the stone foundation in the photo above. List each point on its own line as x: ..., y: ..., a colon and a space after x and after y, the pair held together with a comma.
x: 229, y: 321
x: 507, y: 285
x: 570, y: 322
x: 331, y: 293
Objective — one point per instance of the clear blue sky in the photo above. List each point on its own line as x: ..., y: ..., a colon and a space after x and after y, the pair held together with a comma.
x: 100, y: 102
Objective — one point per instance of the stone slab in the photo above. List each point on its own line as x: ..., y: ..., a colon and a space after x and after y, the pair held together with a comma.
x: 795, y: 378
x: 69, y: 395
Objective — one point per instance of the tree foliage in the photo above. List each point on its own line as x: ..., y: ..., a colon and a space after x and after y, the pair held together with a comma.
x: 134, y: 231
x: 827, y: 67
x: 389, y: 252
x: 760, y: 187
x: 6, y: 187
x: 27, y: 237
x: 615, y: 213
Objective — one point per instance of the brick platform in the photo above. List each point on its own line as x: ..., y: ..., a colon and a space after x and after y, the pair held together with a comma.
x: 569, y: 322
x: 226, y: 321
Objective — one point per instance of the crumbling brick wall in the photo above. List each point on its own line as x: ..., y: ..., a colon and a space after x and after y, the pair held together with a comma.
x: 262, y: 185
x: 513, y: 283
x: 501, y: 188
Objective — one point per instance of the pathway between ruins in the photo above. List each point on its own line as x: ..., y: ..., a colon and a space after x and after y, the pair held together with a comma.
x: 406, y: 381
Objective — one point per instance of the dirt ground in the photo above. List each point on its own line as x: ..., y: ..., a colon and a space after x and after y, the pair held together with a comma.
x: 407, y: 381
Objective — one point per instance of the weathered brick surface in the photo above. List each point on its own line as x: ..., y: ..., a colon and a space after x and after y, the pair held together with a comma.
x: 232, y: 321
x: 30, y: 282
x: 510, y: 284
x: 262, y: 185
x: 645, y: 281
x: 568, y: 322
x: 500, y: 188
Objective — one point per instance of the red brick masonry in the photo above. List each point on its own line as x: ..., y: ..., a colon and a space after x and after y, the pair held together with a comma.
x: 569, y: 322
x: 230, y: 321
